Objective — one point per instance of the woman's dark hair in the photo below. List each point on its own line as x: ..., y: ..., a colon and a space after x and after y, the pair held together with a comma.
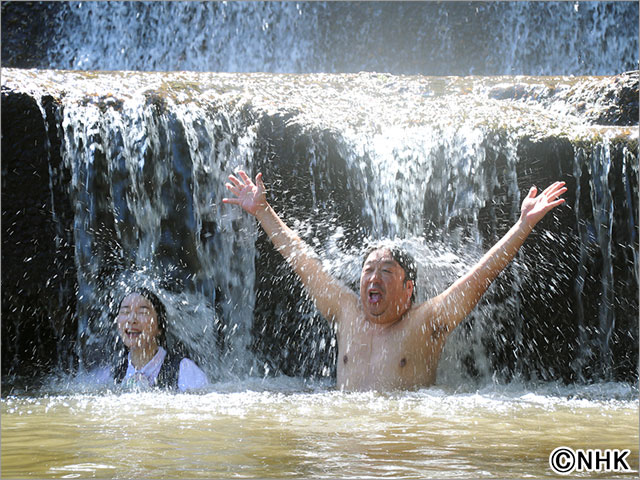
x: 158, y: 306
x: 404, y: 259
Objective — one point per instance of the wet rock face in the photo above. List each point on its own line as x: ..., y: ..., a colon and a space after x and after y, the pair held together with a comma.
x: 38, y: 271
x: 561, y: 301
x: 27, y: 32
x: 566, y: 309
x: 606, y: 101
x: 616, y: 101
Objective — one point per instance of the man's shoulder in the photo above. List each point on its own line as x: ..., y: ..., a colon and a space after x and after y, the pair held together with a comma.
x: 423, y: 317
x: 346, y: 307
x: 424, y: 309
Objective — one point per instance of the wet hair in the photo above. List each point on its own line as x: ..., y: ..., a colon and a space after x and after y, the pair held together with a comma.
x: 402, y: 257
x: 158, y: 306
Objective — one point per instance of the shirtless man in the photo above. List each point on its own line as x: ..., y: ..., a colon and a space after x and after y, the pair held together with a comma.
x: 385, y: 342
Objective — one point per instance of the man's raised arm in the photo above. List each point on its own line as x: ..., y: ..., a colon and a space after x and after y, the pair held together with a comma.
x: 328, y: 293
x: 450, y: 307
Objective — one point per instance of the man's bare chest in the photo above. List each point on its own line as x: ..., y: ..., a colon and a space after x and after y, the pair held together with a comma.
x: 385, y: 358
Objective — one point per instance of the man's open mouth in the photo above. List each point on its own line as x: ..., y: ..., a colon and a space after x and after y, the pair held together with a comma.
x: 375, y: 295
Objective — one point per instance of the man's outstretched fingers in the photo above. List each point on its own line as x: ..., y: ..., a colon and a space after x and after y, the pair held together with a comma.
x: 234, y: 201
x: 232, y: 188
x: 557, y: 189
x: 245, y: 177
x: 236, y: 181
x: 553, y: 188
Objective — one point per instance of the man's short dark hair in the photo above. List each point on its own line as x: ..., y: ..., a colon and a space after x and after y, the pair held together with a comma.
x: 402, y: 257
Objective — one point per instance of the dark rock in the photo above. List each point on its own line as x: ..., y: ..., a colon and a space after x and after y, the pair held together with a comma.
x: 39, y: 328
x: 27, y: 33
x: 604, y: 101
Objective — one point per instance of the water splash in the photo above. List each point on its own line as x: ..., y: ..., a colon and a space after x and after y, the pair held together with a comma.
x: 147, y: 183
x: 463, y: 38
x: 351, y: 159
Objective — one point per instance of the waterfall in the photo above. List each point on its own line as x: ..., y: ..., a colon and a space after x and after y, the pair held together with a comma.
x: 438, y: 163
x: 431, y: 38
x: 602, y: 204
x: 147, y: 178
x: 597, y: 240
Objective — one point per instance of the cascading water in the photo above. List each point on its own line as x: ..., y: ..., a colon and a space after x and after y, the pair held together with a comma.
x: 598, y: 236
x: 148, y: 156
x: 430, y: 38
x: 146, y: 185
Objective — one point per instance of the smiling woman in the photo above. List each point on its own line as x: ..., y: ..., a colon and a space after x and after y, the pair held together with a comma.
x: 139, y: 326
x: 141, y: 322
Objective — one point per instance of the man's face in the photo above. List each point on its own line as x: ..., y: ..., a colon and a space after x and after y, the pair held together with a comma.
x: 384, y: 292
x: 137, y: 322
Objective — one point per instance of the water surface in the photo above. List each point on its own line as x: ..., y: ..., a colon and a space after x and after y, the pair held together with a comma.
x: 286, y: 428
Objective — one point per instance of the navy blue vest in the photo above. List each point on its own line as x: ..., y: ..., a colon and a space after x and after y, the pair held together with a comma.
x: 167, y: 377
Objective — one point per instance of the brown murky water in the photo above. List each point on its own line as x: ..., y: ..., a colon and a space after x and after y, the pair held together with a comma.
x: 278, y: 431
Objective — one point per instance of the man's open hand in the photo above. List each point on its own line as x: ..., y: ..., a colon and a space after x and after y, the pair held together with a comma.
x: 534, y: 208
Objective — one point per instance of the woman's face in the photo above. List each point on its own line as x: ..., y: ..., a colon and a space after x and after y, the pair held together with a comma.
x: 137, y: 322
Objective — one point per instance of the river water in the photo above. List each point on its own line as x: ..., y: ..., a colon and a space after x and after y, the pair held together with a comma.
x: 284, y: 427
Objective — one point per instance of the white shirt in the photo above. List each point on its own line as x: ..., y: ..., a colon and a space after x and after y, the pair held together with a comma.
x: 190, y: 376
